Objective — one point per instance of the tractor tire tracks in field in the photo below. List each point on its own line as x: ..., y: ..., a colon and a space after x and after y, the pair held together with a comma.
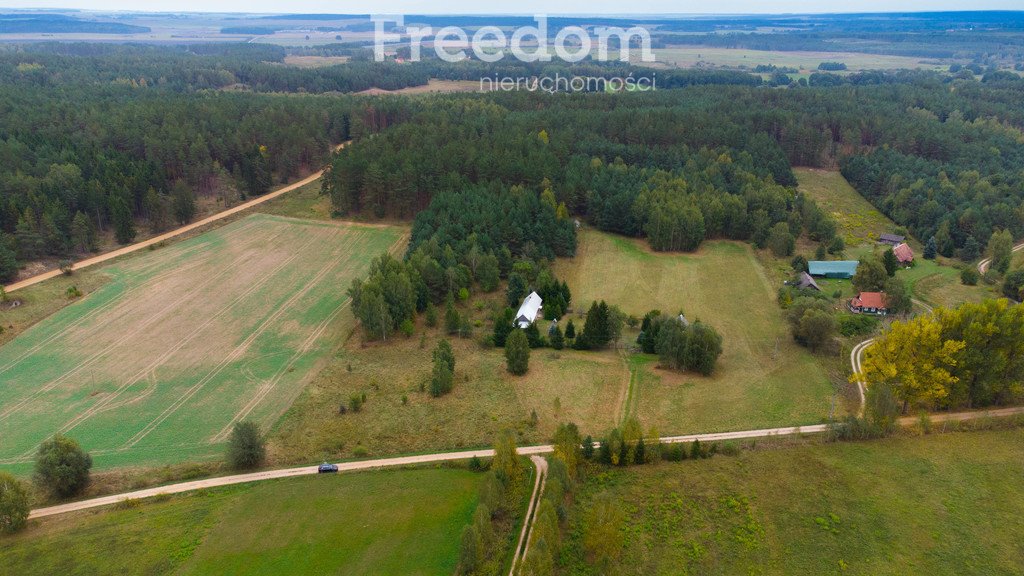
x: 126, y: 337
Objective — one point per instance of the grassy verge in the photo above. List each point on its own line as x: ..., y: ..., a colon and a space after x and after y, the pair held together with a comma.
x: 941, y: 504
x: 30, y: 305
x: 305, y: 202
x: 387, y: 522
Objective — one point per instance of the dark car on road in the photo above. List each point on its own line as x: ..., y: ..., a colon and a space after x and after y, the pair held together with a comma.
x: 325, y: 468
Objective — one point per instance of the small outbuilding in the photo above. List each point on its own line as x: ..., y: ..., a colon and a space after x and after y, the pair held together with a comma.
x: 806, y: 281
x: 833, y: 268
x: 891, y: 239
x: 904, y: 255
x: 529, y: 310
x: 869, y: 303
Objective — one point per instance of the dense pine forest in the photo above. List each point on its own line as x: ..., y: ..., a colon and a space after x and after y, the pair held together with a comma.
x: 104, y: 137
x: 941, y: 156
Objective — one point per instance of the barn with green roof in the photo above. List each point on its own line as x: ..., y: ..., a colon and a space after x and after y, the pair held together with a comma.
x: 833, y: 268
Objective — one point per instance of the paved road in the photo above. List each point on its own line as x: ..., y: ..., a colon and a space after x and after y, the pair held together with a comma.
x: 168, y: 235
x: 984, y: 264
x: 462, y: 455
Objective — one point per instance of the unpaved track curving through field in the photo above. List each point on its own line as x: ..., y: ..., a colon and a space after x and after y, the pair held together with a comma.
x: 107, y: 256
x: 984, y: 264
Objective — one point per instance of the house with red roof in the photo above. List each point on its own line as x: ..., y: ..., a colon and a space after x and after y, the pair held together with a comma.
x: 869, y: 303
x: 904, y: 255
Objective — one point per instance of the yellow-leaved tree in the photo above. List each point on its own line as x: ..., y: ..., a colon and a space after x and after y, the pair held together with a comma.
x: 914, y: 359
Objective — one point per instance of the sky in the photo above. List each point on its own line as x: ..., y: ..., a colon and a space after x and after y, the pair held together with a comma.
x: 523, y: 6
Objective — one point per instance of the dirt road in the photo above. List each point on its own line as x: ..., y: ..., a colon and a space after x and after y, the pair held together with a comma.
x: 462, y: 455
x: 984, y: 264
x: 531, y: 512
x: 107, y: 256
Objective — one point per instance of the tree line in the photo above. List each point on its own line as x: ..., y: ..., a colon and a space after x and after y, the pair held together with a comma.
x: 968, y: 357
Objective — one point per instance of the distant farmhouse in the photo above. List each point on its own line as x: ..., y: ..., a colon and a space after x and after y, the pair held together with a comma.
x: 904, y: 255
x: 891, y: 239
x: 869, y: 303
x: 833, y: 268
x: 528, y: 311
x: 806, y: 281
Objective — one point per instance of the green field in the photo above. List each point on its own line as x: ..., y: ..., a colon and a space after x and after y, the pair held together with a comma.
x: 857, y: 220
x: 690, y: 56
x: 155, y: 365
x: 946, y: 504
x: 762, y: 377
x: 388, y: 522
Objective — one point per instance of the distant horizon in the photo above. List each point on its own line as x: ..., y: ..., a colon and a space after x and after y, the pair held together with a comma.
x: 729, y: 8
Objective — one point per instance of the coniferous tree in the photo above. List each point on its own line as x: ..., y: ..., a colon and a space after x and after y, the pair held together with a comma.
x: 556, y: 339
x: 443, y: 374
x: 516, y: 291
x: 517, y: 353
x: 184, y: 203
x: 83, y: 234
x: 931, y: 249
x: 8, y: 265
x: 452, y: 320
x: 890, y: 262
x: 121, y: 216
x: 570, y: 331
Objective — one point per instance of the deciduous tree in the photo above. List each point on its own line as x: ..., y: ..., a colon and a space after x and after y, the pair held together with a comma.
x: 62, y: 467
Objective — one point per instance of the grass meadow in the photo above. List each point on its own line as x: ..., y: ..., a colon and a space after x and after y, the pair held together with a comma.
x: 947, y: 504
x: 400, y: 416
x: 762, y: 379
x: 690, y: 56
x: 384, y: 522
x: 156, y: 364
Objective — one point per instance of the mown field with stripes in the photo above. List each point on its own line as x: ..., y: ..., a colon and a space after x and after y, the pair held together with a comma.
x: 157, y: 365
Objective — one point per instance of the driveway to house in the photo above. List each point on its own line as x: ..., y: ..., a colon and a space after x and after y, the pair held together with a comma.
x: 173, y: 233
